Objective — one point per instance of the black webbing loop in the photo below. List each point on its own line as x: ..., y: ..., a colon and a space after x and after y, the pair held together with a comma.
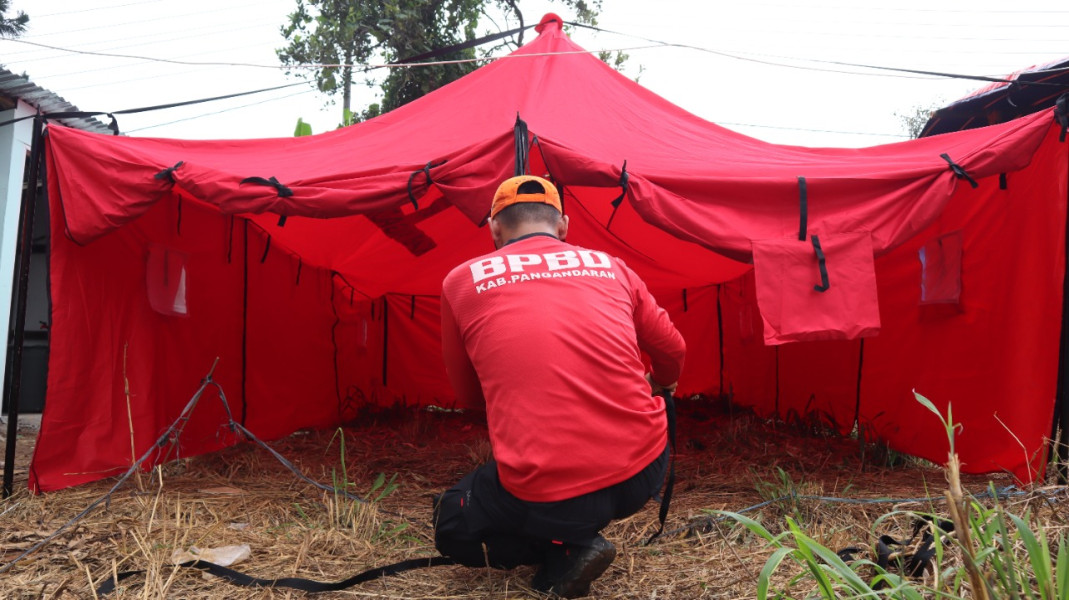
x: 1061, y: 114
x: 670, y: 483
x: 684, y: 299
x: 1002, y: 183
x: 296, y: 583
x: 426, y: 170
x: 114, y: 125
x: 959, y: 171
x: 283, y: 191
x: 168, y: 173
x: 282, y: 220
x: 822, y: 263
x: 624, y: 183
x: 803, y: 219
x: 523, y: 145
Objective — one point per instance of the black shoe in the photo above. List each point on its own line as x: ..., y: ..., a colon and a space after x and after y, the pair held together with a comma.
x: 569, y: 573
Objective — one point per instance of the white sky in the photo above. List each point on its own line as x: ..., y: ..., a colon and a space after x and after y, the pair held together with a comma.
x: 798, y: 100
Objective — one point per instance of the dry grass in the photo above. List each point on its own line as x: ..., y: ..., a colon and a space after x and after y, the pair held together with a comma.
x: 243, y: 496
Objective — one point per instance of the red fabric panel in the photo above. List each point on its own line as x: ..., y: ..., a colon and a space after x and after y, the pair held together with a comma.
x: 100, y: 312
x: 818, y: 383
x: 357, y: 334
x: 750, y: 377
x: 415, y: 374
x: 290, y: 373
x: 695, y: 318
x: 794, y: 310
x: 998, y: 355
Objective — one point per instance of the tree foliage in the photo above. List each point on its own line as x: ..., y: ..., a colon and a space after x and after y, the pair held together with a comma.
x: 349, y: 34
x: 915, y: 120
x: 11, y: 27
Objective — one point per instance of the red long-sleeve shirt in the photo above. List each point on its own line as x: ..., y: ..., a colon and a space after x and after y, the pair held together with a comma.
x: 549, y: 336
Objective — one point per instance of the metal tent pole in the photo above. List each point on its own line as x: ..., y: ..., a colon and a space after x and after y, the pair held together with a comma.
x: 13, y: 375
x: 1060, y: 426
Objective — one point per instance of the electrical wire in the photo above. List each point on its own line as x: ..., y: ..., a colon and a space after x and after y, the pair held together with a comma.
x: 95, y: 8
x: 891, y: 71
x: 188, y: 34
x: 225, y: 7
x: 219, y: 111
x: 894, y: 135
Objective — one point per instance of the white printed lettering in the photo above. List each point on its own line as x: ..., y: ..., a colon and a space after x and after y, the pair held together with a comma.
x: 595, y: 260
x: 484, y: 269
x: 517, y: 261
x: 562, y: 260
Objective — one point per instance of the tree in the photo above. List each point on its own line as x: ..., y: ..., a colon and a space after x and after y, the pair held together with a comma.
x: 343, y: 33
x: 11, y: 27
x: 915, y: 120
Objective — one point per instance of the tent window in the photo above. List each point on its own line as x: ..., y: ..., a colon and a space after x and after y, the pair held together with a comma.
x: 941, y: 269
x: 166, y: 280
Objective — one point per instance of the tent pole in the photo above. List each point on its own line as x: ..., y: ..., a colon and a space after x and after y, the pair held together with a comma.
x: 13, y: 375
x: 1061, y: 403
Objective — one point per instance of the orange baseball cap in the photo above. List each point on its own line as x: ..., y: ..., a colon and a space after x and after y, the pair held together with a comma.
x: 508, y: 193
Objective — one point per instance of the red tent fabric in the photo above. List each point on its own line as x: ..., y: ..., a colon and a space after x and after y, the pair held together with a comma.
x: 310, y: 267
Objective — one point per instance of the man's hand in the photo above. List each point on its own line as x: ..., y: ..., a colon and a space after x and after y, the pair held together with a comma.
x: 657, y: 388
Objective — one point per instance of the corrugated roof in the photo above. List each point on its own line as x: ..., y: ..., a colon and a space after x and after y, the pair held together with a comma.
x: 17, y: 86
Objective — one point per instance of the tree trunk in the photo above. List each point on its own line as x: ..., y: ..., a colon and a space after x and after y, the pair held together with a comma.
x: 347, y: 84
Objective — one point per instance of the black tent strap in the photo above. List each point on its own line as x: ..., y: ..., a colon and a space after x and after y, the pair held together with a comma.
x: 822, y: 263
x: 670, y: 484
x: 522, y: 142
x: 283, y: 191
x: 625, y: 180
x: 803, y: 219
x: 684, y: 299
x: 282, y: 220
x: 426, y: 170
x: 296, y: 583
x: 1002, y: 182
x: 959, y: 171
x: 267, y: 248
x: 168, y: 173
x: 1061, y: 114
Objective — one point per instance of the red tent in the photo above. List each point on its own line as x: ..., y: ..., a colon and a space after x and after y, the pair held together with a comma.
x: 311, y: 266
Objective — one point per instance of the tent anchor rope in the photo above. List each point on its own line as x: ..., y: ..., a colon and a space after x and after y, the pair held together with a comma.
x: 168, y: 438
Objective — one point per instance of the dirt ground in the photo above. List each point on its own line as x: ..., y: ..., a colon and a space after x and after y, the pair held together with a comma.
x: 726, y: 460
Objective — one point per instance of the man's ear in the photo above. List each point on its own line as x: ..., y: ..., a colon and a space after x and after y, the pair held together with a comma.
x: 495, y: 232
x: 562, y: 228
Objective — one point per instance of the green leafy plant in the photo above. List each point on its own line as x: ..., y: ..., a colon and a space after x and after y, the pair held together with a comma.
x: 992, y: 552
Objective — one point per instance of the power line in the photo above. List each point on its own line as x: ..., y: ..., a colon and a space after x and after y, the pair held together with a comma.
x: 219, y: 111
x: 891, y: 71
x: 194, y: 33
x: 894, y: 135
x: 95, y: 8
x: 223, y: 8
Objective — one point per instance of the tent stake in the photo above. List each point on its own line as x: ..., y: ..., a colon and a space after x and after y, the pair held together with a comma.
x: 13, y: 374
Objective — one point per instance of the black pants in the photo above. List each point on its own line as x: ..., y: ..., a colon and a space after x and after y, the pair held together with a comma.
x: 478, y: 523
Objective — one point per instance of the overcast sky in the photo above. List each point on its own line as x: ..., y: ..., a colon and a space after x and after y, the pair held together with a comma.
x: 771, y: 69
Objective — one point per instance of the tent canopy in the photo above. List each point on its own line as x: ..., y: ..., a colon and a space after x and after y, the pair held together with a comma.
x: 1024, y: 92
x: 311, y: 266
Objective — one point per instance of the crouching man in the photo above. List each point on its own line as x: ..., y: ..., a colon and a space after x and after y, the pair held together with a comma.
x: 548, y: 338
